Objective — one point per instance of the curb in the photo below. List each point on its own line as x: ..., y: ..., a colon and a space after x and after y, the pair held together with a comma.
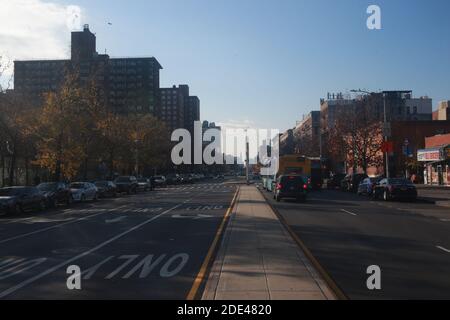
x: 340, y: 295
x: 202, y: 276
x: 212, y: 281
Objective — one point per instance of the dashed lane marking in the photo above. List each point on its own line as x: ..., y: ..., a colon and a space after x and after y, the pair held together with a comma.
x: 443, y: 249
x: 351, y: 213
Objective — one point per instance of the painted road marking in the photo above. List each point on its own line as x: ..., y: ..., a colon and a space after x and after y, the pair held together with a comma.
x: 445, y: 220
x: 19, y: 266
x: 118, y: 219
x: 199, y: 208
x: 195, y: 217
x: 142, y: 267
x: 19, y: 286
x: 54, y: 227
x: 443, y: 249
x: 353, y: 214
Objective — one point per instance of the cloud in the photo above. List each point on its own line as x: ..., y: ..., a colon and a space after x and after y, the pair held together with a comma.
x: 237, y: 124
x: 36, y: 29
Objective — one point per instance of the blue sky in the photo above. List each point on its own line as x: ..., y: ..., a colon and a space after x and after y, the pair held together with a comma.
x: 269, y: 62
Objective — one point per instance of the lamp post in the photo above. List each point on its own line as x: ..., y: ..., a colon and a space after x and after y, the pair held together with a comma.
x: 247, y: 157
x: 385, y: 126
x: 136, y: 166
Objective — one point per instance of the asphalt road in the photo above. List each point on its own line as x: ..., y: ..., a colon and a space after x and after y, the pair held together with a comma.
x: 146, y: 246
x: 410, y: 242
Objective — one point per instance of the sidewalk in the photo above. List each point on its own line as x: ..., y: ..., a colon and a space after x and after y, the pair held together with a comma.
x: 259, y: 260
x: 439, y: 195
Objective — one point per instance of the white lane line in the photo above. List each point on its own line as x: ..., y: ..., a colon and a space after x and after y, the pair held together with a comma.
x: 443, y: 249
x: 353, y: 214
x: 19, y: 286
x: 445, y: 220
x: 56, y: 226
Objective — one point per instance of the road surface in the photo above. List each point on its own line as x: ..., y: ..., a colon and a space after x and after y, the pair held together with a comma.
x: 145, y: 246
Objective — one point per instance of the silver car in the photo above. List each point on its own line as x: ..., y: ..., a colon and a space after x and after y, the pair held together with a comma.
x: 84, y: 191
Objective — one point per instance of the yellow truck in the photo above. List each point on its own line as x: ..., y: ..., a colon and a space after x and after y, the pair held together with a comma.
x: 309, y: 168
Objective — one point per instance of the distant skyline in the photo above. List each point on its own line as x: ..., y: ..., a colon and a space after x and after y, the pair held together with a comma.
x: 255, y: 63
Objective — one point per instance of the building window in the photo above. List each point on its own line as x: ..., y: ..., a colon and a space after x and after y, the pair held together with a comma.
x: 415, y: 110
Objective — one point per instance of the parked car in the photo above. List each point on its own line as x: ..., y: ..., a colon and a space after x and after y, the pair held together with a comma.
x: 395, y: 188
x: 367, y: 186
x: 84, y: 191
x: 56, y: 193
x: 126, y: 184
x: 18, y: 199
x: 106, y: 189
x: 291, y: 186
x: 159, y: 181
x: 172, y: 179
x: 186, y: 179
x: 335, y: 181
x: 351, y: 182
x: 144, y: 184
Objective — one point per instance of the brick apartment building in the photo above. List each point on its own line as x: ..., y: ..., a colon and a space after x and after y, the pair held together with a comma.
x: 129, y: 85
x: 307, y: 135
x: 408, y: 138
x: 178, y: 108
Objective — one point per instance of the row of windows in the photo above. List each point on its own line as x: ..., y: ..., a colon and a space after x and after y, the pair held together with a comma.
x: 131, y: 63
x: 408, y: 110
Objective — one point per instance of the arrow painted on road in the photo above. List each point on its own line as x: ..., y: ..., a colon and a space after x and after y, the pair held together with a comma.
x: 118, y: 219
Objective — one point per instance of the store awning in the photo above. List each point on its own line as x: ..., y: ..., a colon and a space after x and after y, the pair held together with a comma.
x: 430, y: 155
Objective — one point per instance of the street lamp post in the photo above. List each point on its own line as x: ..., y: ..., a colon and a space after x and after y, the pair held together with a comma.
x: 386, y: 138
x: 136, y: 165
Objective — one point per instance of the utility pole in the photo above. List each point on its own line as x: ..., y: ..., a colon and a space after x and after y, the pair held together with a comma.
x: 247, y: 160
x: 386, y: 138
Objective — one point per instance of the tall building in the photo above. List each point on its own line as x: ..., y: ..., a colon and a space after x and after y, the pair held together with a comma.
x: 191, y: 112
x: 128, y: 85
x: 401, y: 106
x: 178, y: 108
x: 173, y: 102
x: 443, y: 111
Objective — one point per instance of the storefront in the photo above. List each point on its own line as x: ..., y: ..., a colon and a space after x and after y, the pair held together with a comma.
x: 437, y: 165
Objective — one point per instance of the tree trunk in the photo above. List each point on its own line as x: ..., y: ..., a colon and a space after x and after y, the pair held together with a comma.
x: 27, y: 176
x: 57, y: 177
x: 12, y: 167
x: 3, y: 171
x: 111, y: 163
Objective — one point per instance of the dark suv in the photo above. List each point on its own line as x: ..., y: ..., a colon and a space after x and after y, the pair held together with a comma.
x: 106, y: 189
x: 291, y: 186
x: 19, y: 199
x: 126, y: 184
x: 56, y: 193
x: 351, y: 182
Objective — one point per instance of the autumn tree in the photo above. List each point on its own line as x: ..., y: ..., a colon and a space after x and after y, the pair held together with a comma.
x: 356, y: 136
x: 16, y: 116
x: 59, y: 148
